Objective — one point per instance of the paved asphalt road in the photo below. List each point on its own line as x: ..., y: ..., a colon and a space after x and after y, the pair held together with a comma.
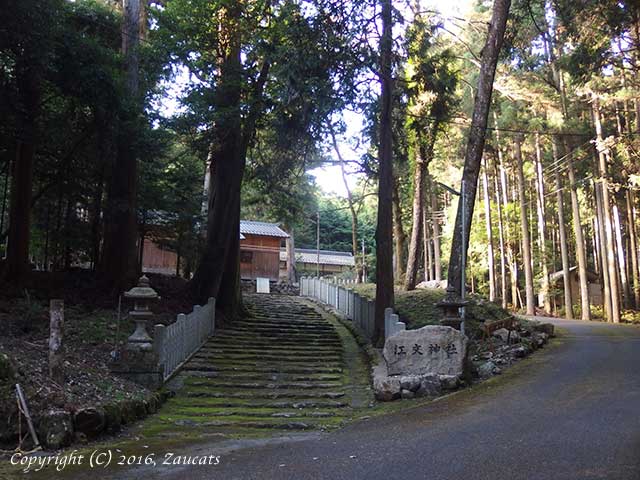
x: 571, y: 411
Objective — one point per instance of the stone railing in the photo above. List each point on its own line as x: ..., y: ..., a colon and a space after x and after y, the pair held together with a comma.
x: 360, y: 310
x: 174, y: 344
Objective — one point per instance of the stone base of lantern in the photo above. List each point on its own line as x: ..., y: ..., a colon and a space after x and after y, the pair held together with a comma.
x: 451, y: 322
x: 141, y: 367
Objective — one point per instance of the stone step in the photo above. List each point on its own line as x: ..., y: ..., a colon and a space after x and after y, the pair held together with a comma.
x: 264, y: 377
x: 275, y: 395
x: 279, y: 334
x: 285, y: 424
x: 263, y: 385
x: 277, y: 356
x: 284, y: 316
x: 302, y: 351
x: 302, y: 320
x: 260, y: 360
x: 241, y: 337
x: 267, y: 413
x: 221, y: 403
x: 284, y: 328
x: 248, y: 340
x: 265, y: 356
x: 279, y: 368
x: 252, y: 368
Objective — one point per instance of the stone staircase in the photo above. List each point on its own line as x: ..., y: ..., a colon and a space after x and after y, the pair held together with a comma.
x: 282, y: 368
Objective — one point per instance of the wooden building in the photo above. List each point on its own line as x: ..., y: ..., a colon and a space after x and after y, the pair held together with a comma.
x: 156, y: 259
x: 260, y: 245
x: 556, y: 283
x: 331, y: 262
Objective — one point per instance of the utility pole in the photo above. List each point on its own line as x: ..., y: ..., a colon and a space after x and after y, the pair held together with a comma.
x: 318, y: 243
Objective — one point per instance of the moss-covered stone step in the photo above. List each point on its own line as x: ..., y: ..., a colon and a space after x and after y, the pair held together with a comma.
x: 282, y: 367
x: 283, y: 331
x: 247, y: 341
x: 262, y: 394
x: 303, y: 326
x: 264, y: 345
x: 194, y: 410
x: 302, y: 321
x: 255, y: 362
x: 196, y: 382
x: 258, y: 403
x: 303, y: 352
x: 286, y: 424
x: 265, y: 377
x: 279, y: 312
x: 271, y: 368
x: 280, y: 341
x: 274, y: 348
x: 266, y: 357
x: 275, y: 335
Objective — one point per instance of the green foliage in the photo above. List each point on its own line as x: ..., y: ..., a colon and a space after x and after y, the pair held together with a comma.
x: 418, y: 307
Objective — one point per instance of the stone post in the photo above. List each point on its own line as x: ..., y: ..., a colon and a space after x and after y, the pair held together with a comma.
x: 56, y: 345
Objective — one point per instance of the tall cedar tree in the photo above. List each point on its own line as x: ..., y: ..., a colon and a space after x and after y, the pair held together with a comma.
x: 384, y: 229
x: 475, y: 145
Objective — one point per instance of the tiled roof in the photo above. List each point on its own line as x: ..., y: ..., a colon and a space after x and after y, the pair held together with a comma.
x: 327, y: 257
x: 249, y: 227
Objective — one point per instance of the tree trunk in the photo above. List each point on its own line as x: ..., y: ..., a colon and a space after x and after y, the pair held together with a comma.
x: 635, y: 275
x: 622, y: 264
x: 291, y: 257
x: 95, y: 219
x: 424, y: 154
x: 218, y: 272
x: 581, y: 257
x: 524, y: 226
x: 489, y: 227
x: 17, y: 261
x: 542, y: 228
x: 564, y: 249
x: 384, y: 233
x: 604, y: 269
x: 606, y: 212
x: 425, y: 245
x: 120, y: 237
x: 352, y: 208
x: 417, y: 220
x: 501, y: 220
x: 435, y: 222
x: 399, y: 237
x: 503, y: 260
x: 5, y: 192
x: 475, y: 145
x: 512, y: 251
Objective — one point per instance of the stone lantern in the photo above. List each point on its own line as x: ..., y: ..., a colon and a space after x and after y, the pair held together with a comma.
x: 142, y: 295
x: 450, y: 306
x: 139, y: 362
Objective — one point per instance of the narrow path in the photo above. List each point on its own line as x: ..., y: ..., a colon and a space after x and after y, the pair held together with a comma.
x: 283, y: 368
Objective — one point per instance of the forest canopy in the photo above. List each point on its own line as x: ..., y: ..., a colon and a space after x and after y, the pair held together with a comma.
x: 172, y: 120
